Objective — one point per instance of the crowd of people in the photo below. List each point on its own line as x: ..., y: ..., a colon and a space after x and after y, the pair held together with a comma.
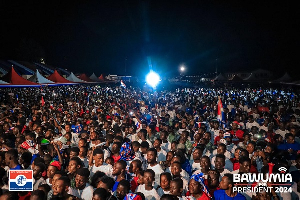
x: 91, y: 142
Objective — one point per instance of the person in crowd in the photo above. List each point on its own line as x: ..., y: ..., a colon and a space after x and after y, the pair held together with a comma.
x: 165, y: 179
x: 96, y: 163
x: 38, y: 170
x: 152, y: 163
x: 226, y: 189
x: 84, y: 190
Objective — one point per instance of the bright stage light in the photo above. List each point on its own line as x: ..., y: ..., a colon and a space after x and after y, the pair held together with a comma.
x: 182, y: 68
x: 152, y: 79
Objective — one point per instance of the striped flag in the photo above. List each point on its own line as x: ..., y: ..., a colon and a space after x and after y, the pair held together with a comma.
x: 123, y: 84
x: 221, y: 114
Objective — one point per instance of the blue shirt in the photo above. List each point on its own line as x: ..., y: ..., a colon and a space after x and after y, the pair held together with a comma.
x: 221, y: 195
x: 16, y: 168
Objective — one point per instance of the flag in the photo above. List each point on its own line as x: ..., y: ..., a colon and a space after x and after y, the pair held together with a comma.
x: 221, y: 114
x: 20, y: 180
x: 43, y: 102
x: 137, y: 125
x: 123, y: 84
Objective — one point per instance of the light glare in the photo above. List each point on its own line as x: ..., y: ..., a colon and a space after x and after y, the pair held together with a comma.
x: 152, y: 79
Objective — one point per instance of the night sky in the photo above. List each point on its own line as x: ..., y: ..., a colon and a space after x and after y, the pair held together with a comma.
x: 113, y: 36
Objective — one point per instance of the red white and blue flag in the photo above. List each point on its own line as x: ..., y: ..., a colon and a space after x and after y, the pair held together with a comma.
x: 221, y: 114
x: 20, y: 180
x: 123, y: 84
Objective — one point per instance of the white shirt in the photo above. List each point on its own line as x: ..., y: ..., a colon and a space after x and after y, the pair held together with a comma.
x: 224, y: 172
x: 86, y: 193
x: 196, y: 166
x: 105, y: 168
x: 281, y: 132
x: 161, y: 192
x: 149, y: 194
x: 157, y: 170
x: 250, y: 124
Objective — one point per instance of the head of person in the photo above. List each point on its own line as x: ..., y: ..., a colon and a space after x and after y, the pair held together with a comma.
x: 151, y: 155
x: 244, y: 153
x: 165, y: 179
x: 136, y: 146
x: 290, y: 138
x: 251, y: 147
x: 237, y: 153
x: 140, y: 180
x: 195, y: 187
x: 61, y: 186
x: 176, y: 187
x: 53, y: 168
x: 81, y: 178
x: 110, y: 160
x: 115, y: 149
x: 176, y: 169
x: 9, y: 195
x: 74, y: 152
x: 101, y: 194
x: 11, y: 157
x: 213, y: 179
x: 263, y: 195
x: 45, y: 188
x: 197, y: 153
x: 168, y: 197
x: 82, y: 142
x: 95, y: 179
x: 278, y: 139
x: 57, y: 175
x: 47, y: 159
x: 169, y: 156
x: 83, y: 152
x: 245, y: 164
x: 269, y: 148
x: 25, y: 159
x: 106, y: 183
x: 135, y: 166
x: 123, y: 189
x: 142, y: 134
x: 119, y: 168
x: 205, y: 162
x: 98, y: 157
x: 207, y: 136
x: 226, y: 182
x: 220, y: 162
x: 163, y: 135
x: 149, y: 177
x: 144, y: 147
x: 38, y: 170
x: 38, y: 195
x: 74, y: 164
x: 221, y: 149
x: 157, y: 143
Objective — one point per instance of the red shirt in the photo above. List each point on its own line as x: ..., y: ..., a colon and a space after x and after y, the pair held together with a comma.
x: 25, y: 197
x: 217, y: 139
x: 134, y: 184
x: 236, y: 166
x: 116, y: 158
x: 203, y: 197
